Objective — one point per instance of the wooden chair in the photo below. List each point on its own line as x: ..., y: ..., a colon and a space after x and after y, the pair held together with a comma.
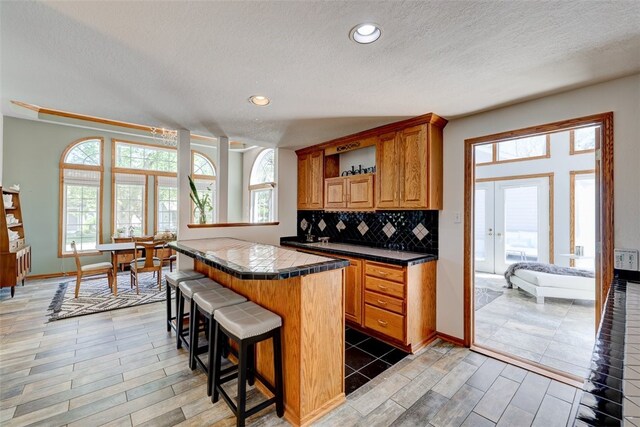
x: 91, y: 269
x: 149, y: 263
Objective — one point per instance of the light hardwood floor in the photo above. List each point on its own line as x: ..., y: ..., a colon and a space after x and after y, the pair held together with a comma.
x: 121, y: 368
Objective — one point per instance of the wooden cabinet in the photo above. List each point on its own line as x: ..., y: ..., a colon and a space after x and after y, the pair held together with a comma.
x: 349, y: 192
x: 311, y: 180
x: 15, y: 255
x: 409, y: 168
x: 353, y: 291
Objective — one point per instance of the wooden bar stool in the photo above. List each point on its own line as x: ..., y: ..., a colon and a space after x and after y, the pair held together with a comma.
x: 184, y: 292
x: 247, y: 324
x: 173, y: 279
x: 206, y: 303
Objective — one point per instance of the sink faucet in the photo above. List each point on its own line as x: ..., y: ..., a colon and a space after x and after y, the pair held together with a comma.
x: 309, y: 235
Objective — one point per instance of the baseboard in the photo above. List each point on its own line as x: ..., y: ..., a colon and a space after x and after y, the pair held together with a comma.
x: 50, y: 275
x: 450, y: 338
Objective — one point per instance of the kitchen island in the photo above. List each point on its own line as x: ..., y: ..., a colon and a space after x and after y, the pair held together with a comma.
x: 307, y: 291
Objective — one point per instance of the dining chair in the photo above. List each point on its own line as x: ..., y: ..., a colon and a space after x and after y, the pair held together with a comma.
x: 148, y: 263
x: 91, y: 269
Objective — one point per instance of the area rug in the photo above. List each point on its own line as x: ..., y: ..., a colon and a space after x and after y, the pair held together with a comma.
x: 484, y: 296
x: 95, y: 295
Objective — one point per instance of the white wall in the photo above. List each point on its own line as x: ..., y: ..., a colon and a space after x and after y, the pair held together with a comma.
x: 561, y: 163
x: 622, y: 96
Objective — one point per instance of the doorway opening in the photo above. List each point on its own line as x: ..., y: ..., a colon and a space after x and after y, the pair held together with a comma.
x: 538, y: 235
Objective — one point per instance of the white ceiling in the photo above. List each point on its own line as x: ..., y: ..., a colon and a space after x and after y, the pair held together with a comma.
x: 194, y: 64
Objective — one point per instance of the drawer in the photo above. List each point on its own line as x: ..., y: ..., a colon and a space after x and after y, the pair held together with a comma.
x: 385, y: 272
x: 385, y: 322
x: 383, y: 301
x: 124, y: 258
x: 14, y: 245
x: 384, y: 286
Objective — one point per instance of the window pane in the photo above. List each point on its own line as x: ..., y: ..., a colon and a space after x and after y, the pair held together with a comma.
x: 585, y: 218
x: 202, y: 165
x: 81, y: 216
x: 129, y: 208
x: 479, y: 224
x: 205, y: 187
x: 262, y: 205
x: 533, y: 146
x: 521, y: 223
x: 264, y: 168
x: 85, y: 153
x: 167, y: 215
x: 134, y: 156
x: 484, y: 153
x: 585, y: 138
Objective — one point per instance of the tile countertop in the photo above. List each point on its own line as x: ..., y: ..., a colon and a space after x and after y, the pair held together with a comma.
x: 255, y: 261
x: 365, y: 252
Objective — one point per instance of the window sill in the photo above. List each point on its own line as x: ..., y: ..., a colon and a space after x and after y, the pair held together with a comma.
x: 232, y: 224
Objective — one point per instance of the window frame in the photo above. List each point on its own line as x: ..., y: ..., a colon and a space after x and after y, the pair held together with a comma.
x: 264, y: 185
x: 145, y: 226
x: 62, y: 194
x: 494, y: 150
x: 118, y: 169
x: 572, y: 141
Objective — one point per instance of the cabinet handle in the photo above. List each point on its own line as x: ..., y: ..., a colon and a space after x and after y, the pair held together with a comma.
x: 382, y: 323
x: 384, y: 288
x: 382, y: 302
x: 383, y: 273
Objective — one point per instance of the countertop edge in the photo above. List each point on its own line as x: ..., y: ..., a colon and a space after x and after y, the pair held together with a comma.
x: 337, y: 252
x: 240, y: 273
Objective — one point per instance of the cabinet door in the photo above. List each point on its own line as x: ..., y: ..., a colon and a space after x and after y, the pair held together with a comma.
x: 316, y: 180
x: 360, y: 192
x: 335, y: 193
x: 303, y: 181
x: 353, y: 291
x: 412, y: 146
x: 387, y: 171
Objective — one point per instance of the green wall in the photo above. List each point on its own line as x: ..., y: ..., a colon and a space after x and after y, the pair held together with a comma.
x: 31, y: 157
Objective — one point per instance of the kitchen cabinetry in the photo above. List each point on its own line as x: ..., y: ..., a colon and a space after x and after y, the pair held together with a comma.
x: 353, y: 291
x: 409, y: 168
x: 311, y: 180
x: 15, y: 255
x: 349, y: 192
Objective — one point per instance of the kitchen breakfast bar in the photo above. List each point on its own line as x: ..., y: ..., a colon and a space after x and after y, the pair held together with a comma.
x: 307, y: 292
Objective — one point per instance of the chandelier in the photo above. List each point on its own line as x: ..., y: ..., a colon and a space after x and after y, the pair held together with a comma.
x: 164, y: 136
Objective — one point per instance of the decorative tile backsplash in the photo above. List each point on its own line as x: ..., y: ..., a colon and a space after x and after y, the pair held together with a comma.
x: 415, y: 231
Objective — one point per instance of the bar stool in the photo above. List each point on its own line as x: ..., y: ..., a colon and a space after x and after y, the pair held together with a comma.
x: 206, y: 303
x: 184, y: 292
x: 247, y: 324
x: 173, y: 279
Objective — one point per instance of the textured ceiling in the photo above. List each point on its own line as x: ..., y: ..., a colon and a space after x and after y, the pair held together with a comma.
x: 194, y: 64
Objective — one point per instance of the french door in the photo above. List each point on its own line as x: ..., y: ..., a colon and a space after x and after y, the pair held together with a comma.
x: 511, y: 223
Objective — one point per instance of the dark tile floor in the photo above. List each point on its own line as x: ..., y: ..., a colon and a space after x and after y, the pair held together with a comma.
x: 366, y: 358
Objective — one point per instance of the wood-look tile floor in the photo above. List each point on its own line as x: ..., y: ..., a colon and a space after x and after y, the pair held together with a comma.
x: 121, y: 368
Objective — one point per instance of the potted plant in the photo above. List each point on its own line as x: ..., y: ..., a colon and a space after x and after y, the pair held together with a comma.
x: 203, y: 204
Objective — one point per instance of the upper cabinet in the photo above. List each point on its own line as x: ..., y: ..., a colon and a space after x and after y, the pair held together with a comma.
x: 408, y: 169
x: 311, y: 180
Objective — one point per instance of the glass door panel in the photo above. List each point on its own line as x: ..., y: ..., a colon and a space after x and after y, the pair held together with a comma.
x: 484, y: 227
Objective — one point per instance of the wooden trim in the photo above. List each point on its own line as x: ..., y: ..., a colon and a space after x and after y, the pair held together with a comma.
x: 90, y: 253
x: 263, y: 186
x: 604, y: 206
x: 450, y: 338
x: 62, y: 166
x: 549, y: 175
x: 431, y: 118
x: 543, y: 370
x: 350, y: 146
x: 143, y: 172
x: 572, y: 209
x: 232, y: 224
x: 94, y: 119
x: 155, y: 205
x: 572, y: 142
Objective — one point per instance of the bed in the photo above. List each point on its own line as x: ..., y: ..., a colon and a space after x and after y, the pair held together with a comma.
x: 553, y: 281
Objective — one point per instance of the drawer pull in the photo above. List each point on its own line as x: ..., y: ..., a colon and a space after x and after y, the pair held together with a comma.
x: 383, y: 273
x: 382, y: 302
x: 384, y: 288
x: 382, y: 323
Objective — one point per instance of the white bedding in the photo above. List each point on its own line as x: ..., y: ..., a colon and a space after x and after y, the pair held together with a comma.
x: 557, y: 281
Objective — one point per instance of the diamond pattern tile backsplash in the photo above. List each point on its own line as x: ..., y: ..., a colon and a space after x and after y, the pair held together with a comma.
x: 415, y: 231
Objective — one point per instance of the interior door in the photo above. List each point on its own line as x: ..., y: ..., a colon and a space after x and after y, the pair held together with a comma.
x: 521, y: 222
x: 484, y: 228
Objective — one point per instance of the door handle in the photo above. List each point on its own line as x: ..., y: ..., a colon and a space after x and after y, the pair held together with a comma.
x: 490, y: 233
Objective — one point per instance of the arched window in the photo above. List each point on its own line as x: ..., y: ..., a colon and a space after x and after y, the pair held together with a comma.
x: 262, y: 186
x: 80, y: 196
x: 203, y: 173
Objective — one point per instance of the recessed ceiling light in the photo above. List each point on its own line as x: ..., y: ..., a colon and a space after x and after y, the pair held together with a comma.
x: 365, y: 33
x: 259, y: 100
